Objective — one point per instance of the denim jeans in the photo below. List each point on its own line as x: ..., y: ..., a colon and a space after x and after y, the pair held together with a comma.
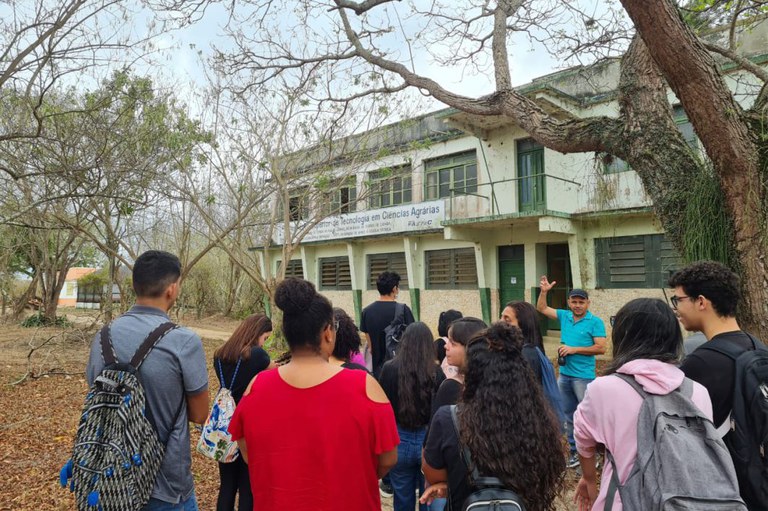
x: 159, y: 505
x: 406, y: 476
x: 572, y: 391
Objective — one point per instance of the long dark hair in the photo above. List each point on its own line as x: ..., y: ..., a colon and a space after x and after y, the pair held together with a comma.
x: 245, y: 337
x: 445, y: 319
x: 528, y: 322
x: 463, y: 329
x: 506, y: 421
x: 416, y: 375
x: 645, y: 328
x: 305, y: 313
x: 347, y: 335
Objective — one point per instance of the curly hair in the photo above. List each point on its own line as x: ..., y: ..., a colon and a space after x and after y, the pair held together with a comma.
x: 505, y: 420
x: 712, y: 280
x: 347, y: 336
x: 416, y: 375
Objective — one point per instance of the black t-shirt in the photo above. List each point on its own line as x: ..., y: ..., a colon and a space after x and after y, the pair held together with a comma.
x: 374, y: 319
x: 442, y: 452
x: 448, y: 394
x: 352, y: 365
x: 388, y: 380
x: 258, y: 361
x: 716, y: 371
x: 440, y: 349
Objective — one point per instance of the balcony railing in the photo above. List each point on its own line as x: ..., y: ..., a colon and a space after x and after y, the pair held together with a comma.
x: 534, y: 192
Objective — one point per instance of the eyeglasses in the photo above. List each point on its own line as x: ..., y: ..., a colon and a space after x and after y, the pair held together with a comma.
x: 612, y: 320
x: 675, y: 300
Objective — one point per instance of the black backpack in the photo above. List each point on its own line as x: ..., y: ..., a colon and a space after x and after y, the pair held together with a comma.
x: 394, y: 331
x: 489, y: 492
x: 117, y: 452
x: 747, y: 440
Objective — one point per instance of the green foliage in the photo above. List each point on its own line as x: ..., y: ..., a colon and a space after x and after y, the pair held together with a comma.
x: 39, y: 320
x: 707, y: 227
x: 95, y: 279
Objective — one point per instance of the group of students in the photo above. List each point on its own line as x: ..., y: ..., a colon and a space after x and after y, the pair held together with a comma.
x: 319, y: 432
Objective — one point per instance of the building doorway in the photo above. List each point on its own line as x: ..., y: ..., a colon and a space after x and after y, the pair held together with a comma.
x: 511, y: 274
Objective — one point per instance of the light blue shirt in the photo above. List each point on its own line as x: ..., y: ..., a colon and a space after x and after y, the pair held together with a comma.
x: 579, y: 334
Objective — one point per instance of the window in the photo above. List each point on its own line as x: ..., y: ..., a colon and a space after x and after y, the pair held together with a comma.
x: 69, y: 289
x: 685, y: 127
x: 390, y: 187
x: 294, y: 268
x: 635, y: 261
x: 613, y: 164
x: 394, y: 261
x: 297, y: 205
x: 451, y: 269
x: 342, y: 197
x: 334, y: 274
x: 456, y: 172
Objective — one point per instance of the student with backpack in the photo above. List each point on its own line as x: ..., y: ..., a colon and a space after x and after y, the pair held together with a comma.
x: 499, y: 425
x: 144, y: 368
x: 384, y: 314
x: 655, y: 424
x: 732, y: 365
x: 236, y: 363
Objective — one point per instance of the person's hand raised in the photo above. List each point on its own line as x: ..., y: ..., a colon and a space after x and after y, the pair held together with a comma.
x: 545, y: 284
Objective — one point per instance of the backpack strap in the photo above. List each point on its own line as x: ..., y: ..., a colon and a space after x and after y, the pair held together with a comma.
x: 475, y: 479
x: 610, y: 495
x: 221, y: 374
x: 685, y: 388
x: 731, y: 350
x: 150, y: 342
x: 399, y: 313
x: 107, y: 350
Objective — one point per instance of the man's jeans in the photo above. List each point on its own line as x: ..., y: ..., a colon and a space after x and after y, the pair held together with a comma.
x: 406, y: 476
x: 572, y: 391
x: 159, y: 505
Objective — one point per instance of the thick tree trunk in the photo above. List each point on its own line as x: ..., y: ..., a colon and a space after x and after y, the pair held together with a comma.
x: 724, y: 131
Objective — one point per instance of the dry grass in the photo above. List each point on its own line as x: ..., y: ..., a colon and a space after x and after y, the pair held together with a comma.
x: 39, y: 417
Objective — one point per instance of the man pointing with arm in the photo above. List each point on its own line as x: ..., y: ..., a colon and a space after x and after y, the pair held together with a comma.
x: 582, y: 336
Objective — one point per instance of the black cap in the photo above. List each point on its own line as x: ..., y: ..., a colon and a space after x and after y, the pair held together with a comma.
x: 578, y: 292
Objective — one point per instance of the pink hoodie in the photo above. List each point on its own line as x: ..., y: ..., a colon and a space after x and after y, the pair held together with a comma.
x: 608, y: 415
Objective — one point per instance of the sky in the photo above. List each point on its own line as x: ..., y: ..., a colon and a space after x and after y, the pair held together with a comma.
x: 187, y: 49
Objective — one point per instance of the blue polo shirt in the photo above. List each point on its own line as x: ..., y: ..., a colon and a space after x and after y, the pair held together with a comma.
x: 580, y: 334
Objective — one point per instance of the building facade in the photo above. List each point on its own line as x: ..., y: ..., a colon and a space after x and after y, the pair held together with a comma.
x: 471, y: 211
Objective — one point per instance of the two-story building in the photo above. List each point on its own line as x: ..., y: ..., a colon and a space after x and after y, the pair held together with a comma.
x: 471, y: 211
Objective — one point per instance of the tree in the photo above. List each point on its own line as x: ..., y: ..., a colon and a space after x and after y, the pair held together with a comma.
x: 43, y: 42
x: 374, y: 46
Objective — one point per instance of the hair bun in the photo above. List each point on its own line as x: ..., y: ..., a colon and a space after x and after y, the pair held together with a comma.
x: 294, y: 296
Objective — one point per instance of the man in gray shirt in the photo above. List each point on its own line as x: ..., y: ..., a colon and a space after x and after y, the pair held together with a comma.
x: 174, y: 374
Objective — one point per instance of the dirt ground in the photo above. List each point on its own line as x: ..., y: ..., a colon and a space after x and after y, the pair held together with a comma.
x: 38, y: 417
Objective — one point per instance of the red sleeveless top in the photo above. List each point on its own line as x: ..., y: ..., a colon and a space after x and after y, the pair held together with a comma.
x: 316, y: 448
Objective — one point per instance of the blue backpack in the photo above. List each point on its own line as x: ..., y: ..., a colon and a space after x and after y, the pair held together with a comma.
x: 551, y: 390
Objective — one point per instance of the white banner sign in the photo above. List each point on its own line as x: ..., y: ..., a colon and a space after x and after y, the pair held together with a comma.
x: 398, y: 219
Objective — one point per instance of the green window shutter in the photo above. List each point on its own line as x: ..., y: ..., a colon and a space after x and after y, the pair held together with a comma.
x: 635, y: 261
x: 451, y: 269
x: 335, y: 274
x: 394, y: 261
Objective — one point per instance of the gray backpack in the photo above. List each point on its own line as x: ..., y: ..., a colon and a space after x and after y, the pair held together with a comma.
x: 681, y: 462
